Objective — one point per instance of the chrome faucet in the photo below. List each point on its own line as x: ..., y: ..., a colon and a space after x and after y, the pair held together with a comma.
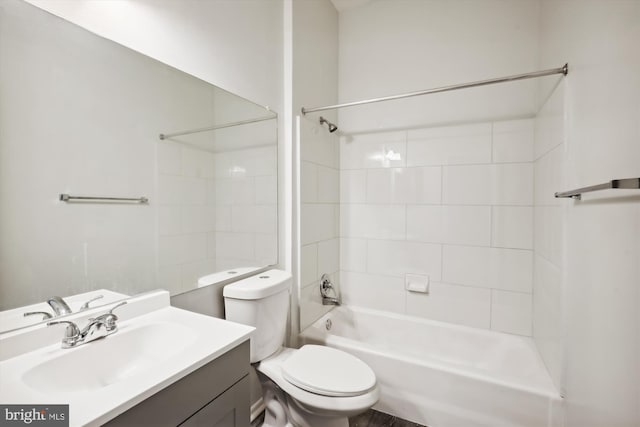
x: 59, y: 306
x: 99, y: 327
x: 44, y: 314
x: 325, y: 287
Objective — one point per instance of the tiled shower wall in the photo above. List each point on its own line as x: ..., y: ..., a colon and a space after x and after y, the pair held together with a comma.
x: 320, y: 194
x: 246, y: 208
x: 549, y: 152
x: 451, y: 203
x: 186, y: 215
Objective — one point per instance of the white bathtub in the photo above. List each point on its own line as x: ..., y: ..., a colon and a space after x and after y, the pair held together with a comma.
x: 444, y: 375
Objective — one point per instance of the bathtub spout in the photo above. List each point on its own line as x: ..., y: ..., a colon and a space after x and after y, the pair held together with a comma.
x: 330, y: 301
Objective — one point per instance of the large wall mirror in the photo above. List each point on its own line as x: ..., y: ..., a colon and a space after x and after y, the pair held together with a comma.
x: 83, y: 116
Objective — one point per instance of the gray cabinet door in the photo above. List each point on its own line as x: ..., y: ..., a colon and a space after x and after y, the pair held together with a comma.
x: 228, y: 410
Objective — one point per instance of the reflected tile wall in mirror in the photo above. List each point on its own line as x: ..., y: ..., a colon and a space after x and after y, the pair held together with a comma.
x: 82, y: 115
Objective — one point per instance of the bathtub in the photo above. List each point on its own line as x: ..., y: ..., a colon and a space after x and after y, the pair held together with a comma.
x: 444, y: 375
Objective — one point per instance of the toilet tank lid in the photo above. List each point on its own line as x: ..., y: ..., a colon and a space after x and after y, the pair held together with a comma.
x: 259, y: 286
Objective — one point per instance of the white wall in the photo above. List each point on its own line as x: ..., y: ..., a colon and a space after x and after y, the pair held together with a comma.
x: 315, y: 81
x: 236, y: 45
x: 394, y: 47
x: 63, y: 129
x: 599, y: 39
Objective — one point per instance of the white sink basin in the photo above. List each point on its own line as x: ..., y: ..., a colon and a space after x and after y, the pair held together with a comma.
x: 155, y: 345
x: 113, y: 359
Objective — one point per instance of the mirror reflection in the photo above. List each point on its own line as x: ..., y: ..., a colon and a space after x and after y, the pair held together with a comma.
x: 83, y: 116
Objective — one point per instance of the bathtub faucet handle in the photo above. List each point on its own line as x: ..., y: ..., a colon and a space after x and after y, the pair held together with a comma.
x: 326, y: 287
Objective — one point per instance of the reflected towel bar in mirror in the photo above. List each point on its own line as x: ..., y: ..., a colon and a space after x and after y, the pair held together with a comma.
x: 69, y: 198
x: 627, y: 184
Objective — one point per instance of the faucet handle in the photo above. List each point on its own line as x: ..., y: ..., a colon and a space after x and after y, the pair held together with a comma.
x: 110, y: 318
x: 326, y: 286
x: 85, y: 306
x: 71, y: 333
x: 44, y: 314
x: 116, y: 306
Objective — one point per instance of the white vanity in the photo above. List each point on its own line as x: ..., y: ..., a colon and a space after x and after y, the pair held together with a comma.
x: 163, y: 366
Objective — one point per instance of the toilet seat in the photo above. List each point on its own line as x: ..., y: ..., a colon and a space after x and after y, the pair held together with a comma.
x: 313, y: 402
x: 328, y: 372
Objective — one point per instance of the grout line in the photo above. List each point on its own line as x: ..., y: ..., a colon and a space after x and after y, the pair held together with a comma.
x: 491, y: 214
x: 400, y: 239
x: 424, y: 204
x: 435, y: 165
x: 442, y: 262
x: 406, y: 223
x: 441, y: 185
x: 492, y: 138
x: 491, y: 309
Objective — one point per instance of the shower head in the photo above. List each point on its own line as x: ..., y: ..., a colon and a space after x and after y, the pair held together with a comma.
x: 332, y: 127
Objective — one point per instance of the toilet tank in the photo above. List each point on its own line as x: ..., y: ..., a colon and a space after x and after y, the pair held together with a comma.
x: 261, y: 301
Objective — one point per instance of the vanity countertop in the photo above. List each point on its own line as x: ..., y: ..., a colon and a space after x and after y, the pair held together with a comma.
x: 101, y: 379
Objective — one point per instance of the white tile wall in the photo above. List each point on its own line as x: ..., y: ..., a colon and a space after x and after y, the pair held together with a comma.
x: 494, y: 268
x: 513, y: 141
x: 381, y: 150
x: 353, y: 186
x: 548, y: 294
x: 512, y: 227
x: 320, y: 222
x: 373, y: 221
x: 309, y: 182
x: 373, y: 290
x: 465, y: 225
x: 216, y: 211
x: 321, y: 183
x: 329, y: 256
x: 353, y: 254
x: 453, y: 145
x: 511, y: 312
x: 311, y: 304
x: 328, y: 185
x: 397, y: 258
x: 452, y: 303
x: 309, y: 261
x: 246, y: 207
x: 454, y: 203
x: 404, y: 185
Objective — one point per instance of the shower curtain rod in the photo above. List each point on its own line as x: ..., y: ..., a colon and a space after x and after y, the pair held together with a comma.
x: 226, y: 125
x: 562, y: 70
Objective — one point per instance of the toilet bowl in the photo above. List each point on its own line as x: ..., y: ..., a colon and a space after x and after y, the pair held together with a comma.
x: 314, y: 386
x: 318, y: 386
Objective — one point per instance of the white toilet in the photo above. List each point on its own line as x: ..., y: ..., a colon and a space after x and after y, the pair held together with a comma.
x: 314, y: 386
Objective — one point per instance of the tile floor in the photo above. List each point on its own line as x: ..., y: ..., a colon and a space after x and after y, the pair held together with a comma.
x: 373, y: 418
x: 370, y: 418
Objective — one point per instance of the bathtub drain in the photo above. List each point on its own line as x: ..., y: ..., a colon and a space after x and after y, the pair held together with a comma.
x: 328, y: 324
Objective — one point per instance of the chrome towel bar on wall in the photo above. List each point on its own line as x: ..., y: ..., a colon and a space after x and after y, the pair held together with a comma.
x: 627, y: 184
x: 69, y: 198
